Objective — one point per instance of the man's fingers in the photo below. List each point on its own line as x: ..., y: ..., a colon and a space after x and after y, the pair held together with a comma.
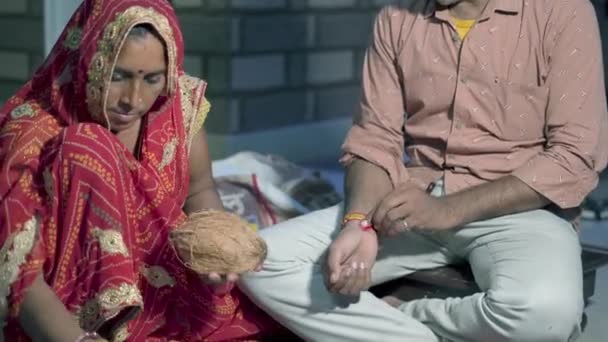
x: 359, y: 280
x: 350, y: 279
x: 334, y: 261
x: 396, y: 221
x: 382, y: 212
x: 342, y: 281
x: 388, y: 209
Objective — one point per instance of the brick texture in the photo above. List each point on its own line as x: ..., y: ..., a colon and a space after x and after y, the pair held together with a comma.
x: 277, y: 63
x: 21, y: 43
x: 269, y: 63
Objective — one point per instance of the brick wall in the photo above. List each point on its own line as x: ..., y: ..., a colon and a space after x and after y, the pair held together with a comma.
x: 21, y: 43
x: 278, y: 70
x: 277, y: 63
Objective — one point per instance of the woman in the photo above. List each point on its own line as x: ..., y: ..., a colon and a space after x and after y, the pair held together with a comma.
x: 101, y: 154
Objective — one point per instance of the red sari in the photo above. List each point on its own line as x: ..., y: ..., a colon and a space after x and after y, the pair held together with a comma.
x: 79, y: 208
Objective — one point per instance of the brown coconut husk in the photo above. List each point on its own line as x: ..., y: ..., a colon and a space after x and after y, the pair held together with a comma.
x: 217, y: 241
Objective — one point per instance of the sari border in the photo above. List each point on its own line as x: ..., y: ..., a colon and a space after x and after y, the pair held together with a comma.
x: 12, y: 255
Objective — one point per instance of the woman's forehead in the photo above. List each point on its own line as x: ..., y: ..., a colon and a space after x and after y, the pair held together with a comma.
x: 142, y: 55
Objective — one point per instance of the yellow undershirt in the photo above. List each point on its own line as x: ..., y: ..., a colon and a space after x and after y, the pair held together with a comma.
x: 463, y: 26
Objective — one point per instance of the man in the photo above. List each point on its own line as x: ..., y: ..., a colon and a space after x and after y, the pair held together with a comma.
x: 506, y: 129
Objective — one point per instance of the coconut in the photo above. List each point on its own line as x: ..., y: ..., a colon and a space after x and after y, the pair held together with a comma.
x: 217, y: 241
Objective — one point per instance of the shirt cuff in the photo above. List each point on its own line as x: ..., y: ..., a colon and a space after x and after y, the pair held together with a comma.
x: 561, y: 186
x: 394, y: 167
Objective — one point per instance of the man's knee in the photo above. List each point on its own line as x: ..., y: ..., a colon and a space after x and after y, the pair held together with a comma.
x: 527, y: 314
x: 302, y: 240
x: 280, y: 248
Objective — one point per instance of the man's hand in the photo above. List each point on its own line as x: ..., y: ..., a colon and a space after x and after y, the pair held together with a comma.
x: 350, y: 260
x: 409, y: 207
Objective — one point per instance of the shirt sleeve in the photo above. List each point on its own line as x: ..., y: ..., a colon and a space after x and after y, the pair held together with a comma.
x: 377, y: 132
x: 576, y: 118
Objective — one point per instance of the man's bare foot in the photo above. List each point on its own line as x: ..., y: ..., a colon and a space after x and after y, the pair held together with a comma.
x: 393, y: 301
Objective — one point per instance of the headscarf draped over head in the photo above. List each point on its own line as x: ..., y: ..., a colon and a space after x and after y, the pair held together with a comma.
x: 66, y: 98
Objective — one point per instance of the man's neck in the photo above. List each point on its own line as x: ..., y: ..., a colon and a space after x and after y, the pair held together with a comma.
x: 468, y: 9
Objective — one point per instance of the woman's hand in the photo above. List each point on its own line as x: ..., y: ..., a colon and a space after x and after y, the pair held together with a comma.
x: 219, y: 279
x: 223, y: 283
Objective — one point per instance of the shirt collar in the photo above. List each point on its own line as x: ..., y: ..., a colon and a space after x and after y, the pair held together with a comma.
x: 509, y: 7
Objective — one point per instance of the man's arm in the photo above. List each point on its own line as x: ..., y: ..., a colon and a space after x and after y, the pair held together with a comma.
x: 365, y: 186
x: 507, y: 195
x: 576, y: 149
x: 374, y: 146
x: 202, y: 193
x: 576, y: 120
x: 373, y: 152
x: 576, y: 140
x: 408, y: 206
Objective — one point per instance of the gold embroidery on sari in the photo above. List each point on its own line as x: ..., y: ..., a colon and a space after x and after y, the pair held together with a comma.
x: 186, y: 88
x: 108, y: 47
x: 202, y: 114
x: 111, y: 241
x: 97, y: 8
x: 114, y: 298
x: 157, y: 276
x: 72, y: 38
x: 168, y: 153
x: 12, y: 256
x: 23, y: 110
x: 107, y: 304
x: 195, y: 106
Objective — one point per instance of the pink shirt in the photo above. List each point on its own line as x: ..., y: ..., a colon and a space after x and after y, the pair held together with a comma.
x: 522, y: 95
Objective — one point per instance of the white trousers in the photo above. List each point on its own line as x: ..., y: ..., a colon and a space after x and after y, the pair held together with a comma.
x: 527, y: 266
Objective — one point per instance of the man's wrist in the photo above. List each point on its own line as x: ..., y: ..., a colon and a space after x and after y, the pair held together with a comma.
x: 454, y: 210
x: 359, y: 221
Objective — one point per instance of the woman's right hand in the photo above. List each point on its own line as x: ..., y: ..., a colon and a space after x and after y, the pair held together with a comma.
x: 215, y: 278
x: 223, y: 283
x: 220, y: 284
